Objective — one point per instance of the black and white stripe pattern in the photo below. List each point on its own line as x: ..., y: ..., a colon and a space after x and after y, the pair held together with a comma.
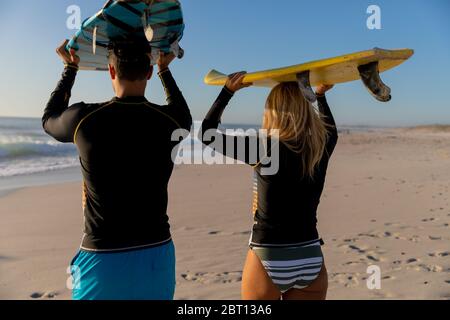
x: 292, y: 267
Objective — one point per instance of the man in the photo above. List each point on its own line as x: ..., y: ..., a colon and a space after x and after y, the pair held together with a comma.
x: 125, y: 148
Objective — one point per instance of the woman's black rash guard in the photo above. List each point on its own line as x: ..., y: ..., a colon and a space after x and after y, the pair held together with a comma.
x: 125, y: 147
x: 285, y: 212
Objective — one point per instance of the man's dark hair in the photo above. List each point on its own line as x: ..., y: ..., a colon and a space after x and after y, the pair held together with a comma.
x: 130, y: 60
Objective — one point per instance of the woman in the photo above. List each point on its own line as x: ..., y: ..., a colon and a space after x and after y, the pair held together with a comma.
x: 285, y: 260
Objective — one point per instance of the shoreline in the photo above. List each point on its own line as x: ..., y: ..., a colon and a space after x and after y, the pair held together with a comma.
x: 13, y: 184
x: 73, y: 174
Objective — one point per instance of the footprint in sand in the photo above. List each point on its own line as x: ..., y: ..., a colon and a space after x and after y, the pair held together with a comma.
x: 350, y: 263
x: 357, y: 249
x: 445, y: 295
x: 375, y: 258
x: 427, y: 268
x: 389, y: 234
x: 411, y: 265
x: 244, y: 233
x: 345, y: 246
x: 382, y: 295
x: 36, y: 295
x: 412, y: 260
x: 392, y: 224
x: 211, y: 277
x: 439, y: 254
x: 368, y: 235
x: 350, y: 239
x: 383, y: 278
x: 372, y: 255
x: 43, y: 295
x: 349, y: 280
x: 383, y: 234
x: 414, y: 238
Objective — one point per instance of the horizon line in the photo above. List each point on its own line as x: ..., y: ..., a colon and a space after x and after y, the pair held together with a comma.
x: 258, y: 124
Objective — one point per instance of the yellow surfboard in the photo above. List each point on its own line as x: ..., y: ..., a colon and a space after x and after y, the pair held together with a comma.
x: 364, y: 65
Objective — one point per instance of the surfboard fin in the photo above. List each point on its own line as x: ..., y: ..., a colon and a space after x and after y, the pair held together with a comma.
x: 177, y: 50
x: 305, y: 86
x: 370, y: 76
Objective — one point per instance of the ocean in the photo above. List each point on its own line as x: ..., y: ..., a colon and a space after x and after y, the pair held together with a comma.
x: 25, y: 148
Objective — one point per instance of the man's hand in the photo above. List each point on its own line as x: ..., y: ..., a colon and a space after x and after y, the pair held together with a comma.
x: 67, y: 57
x: 323, y: 88
x: 234, y: 82
x: 165, y: 59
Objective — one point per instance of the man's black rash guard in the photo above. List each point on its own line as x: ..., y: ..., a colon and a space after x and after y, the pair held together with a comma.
x: 286, y: 209
x: 125, y: 147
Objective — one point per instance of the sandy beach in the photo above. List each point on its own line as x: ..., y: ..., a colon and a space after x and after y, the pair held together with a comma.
x: 386, y: 203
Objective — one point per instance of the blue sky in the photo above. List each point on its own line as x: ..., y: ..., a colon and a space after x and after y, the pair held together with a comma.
x: 232, y: 35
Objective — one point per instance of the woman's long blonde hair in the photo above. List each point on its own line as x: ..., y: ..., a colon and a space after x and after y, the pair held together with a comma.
x: 299, y: 125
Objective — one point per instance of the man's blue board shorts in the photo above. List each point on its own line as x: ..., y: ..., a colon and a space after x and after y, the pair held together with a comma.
x: 146, y: 274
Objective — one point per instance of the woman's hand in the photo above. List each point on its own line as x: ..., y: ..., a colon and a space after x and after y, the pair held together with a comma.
x: 323, y: 88
x: 165, y: 59
x: 67, y: 57
x: 234, y: 82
